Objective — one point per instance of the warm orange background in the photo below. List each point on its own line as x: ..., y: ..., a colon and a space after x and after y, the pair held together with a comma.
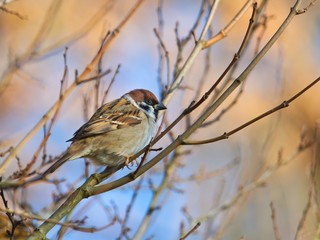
x: 291, y: 64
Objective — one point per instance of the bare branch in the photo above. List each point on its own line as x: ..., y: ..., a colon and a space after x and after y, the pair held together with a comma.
x: 68, y: 91
x: 282, y: 105
x: 274, y: 222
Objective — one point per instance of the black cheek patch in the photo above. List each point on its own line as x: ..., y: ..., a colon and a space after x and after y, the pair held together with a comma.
x: 145, y: 107
x: 156, y: 114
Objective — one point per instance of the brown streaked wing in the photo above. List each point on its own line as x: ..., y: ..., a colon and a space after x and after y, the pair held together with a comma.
x: 114, y: 115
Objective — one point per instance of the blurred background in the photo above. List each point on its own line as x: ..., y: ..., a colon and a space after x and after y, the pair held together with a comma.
x: 30, y: 85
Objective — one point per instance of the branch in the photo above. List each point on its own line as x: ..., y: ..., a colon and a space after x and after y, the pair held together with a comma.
x: 105, y: 46
x: 282, y: 105
x: 193, y: 105
x: 88, y: 188
x: 224, y: 32
x: 274, y: 222
x: 194, y: 53
x: 14, y: 13
x: 244, y: 190
x: 181, y: 138
x: 192, y: 230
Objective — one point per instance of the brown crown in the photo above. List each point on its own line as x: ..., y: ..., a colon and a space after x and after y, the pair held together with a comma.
x: 140, y: 95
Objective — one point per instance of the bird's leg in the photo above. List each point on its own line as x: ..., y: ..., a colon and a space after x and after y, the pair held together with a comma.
x: 127, y: 162
x: 136, y: 161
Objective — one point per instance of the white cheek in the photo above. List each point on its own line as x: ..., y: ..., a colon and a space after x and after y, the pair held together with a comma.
x: 152, y: 128
x: 150, y: 131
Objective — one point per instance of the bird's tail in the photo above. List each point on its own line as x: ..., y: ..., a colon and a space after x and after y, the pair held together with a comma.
x: 65, y: 157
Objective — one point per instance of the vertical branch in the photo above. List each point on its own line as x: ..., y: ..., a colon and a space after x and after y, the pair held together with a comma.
x: 54, y: 117
x: 156, y: 193
x: 159, y: 33
x: 110, y: 85
x: 194, y: 53
x: 105, y: 46
x: 129, y: 208
x: 274, y: 222
x: 163, y: 48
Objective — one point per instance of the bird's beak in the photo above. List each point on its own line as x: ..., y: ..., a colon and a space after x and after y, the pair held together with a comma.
x: 160, y: 106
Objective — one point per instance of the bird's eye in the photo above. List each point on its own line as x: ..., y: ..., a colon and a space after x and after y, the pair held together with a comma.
x: 149, y: 101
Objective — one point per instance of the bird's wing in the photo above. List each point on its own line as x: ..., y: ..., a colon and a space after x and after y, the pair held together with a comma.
x: 117, y: 114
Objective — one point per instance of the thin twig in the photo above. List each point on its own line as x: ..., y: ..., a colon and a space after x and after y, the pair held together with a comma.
x: 282, y: 105
x: 156, y: 193
x: 106, y: 93
x: 192, y: 230
x: 68, y: 91
x: 274, y: 222
x: 224, y: 32
x: 194, y: 53
x: 181, y: 138
x: 303, y: 219
x: 194, y: 105
x: 244, y: 190
x: 14, y: 13
x: 148, y: 149
x: 97, y: 77
x: 166, y: 55
x: 129, y: 207
x: 9, y: 214
x: 54, y: 118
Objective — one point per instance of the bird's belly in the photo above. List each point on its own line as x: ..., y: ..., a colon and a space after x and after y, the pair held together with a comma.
x: 113, y: 148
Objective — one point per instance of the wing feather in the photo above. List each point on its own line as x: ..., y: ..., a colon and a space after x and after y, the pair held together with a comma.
x: 114, y: 115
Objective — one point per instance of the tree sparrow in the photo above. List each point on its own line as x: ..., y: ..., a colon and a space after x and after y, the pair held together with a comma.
x: 116, y: 131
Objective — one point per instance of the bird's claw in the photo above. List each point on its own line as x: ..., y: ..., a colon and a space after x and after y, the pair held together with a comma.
x: 127, y: 162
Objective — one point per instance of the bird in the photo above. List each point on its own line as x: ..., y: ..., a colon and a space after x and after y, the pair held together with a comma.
x: 116, y: 131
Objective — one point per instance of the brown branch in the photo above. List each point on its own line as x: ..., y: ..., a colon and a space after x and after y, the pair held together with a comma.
x: 265, y: 20
x: 181, y: 43
x: 258, y: 182
x: 232, y: 71
x: 226, y: 135
x: 33, y: 51
x: 274, y: 222
x: 14, y: 13
x: 156, y: 193
x: 224, y: 32
x: 2, y: 154
x: 74, y: 226
x: 54, y: 117
x: 179, y: 75
x: 87, y: 189
x: 203, y: 174
x: 129, y: 208
x: 160, y: 81
x: 234, y: 60
x: 311, y: 211
x: 166, y: 55
x: 97, y: 76
x: 110, y: 84
x: 205, y: 72
x: 303, y: 219
x: 196, y: 23
x: 192, y: 230
x: 10, y: 215
x: 144, y: 157
x: 182, y: 138
x: 193, y: 105
x: 68, y: 91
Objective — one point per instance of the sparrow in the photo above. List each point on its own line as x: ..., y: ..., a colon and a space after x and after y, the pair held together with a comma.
x: 116, y: 131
